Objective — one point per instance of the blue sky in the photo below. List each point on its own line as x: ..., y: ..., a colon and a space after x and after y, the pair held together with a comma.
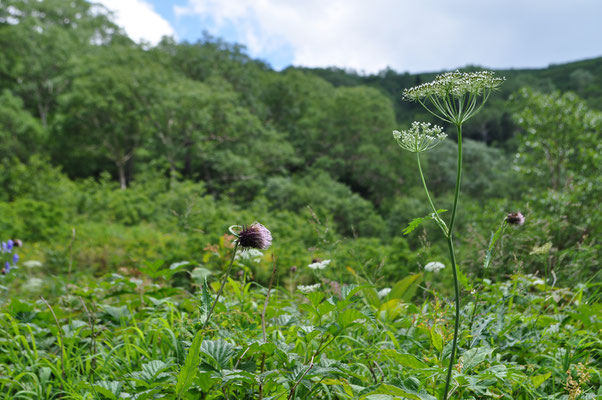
x: 368, y: 36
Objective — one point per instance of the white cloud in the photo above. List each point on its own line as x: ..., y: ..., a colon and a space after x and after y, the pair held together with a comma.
x: 140, y: 21
x: 409, y: 35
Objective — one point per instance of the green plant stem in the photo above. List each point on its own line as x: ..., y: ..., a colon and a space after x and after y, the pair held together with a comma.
x: 424, y: 184
x: 450, y: 244
x: 221, y: 288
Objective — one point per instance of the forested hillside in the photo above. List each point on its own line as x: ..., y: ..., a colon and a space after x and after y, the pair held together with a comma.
x: 190, y: 128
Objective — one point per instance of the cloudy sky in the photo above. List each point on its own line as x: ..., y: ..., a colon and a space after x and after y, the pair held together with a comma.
x: 370, y: 35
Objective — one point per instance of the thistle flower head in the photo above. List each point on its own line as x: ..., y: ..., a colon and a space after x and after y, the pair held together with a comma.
x: 420, y: 137
x: 254, y: 236
x: 455, y: 84
x: 515, y: 218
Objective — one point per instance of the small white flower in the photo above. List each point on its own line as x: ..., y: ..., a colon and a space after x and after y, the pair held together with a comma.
x: 384, y: 292
x: 434, y: 266
x: 250, y: 254
x: 308, y: 288
x: 420, y: 137
x: 319, y: 265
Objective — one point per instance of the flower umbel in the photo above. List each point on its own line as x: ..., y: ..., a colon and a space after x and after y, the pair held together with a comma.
x: 255, y: 236
x: 319, y: 264
x: 455, y: 96
x: 420, y: 137
x: 434, y: 266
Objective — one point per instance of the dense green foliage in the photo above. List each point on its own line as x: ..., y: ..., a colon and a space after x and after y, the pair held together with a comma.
x: 118, y: 160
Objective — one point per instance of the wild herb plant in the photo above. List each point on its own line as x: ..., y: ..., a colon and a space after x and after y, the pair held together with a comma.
x: 453, y: 97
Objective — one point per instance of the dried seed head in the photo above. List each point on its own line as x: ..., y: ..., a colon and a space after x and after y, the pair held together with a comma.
x: 515, y: 218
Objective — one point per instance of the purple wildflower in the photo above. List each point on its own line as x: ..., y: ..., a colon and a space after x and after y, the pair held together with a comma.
x: 515, y: 218
x: 6, y: 268
x: 255, y: 236
x: 9, y: 245
x: 15, y: 258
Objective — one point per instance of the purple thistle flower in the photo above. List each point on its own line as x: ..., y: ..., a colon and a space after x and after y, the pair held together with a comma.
x: 15, y: 259
x: 255, y: 236
x: 515, y: 218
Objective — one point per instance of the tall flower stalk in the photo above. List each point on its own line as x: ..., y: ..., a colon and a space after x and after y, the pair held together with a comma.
x: 254, y: 236
x: 453, y: 97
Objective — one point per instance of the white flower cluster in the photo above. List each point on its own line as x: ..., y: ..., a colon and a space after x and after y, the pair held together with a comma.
x: 319, y: 264
x: 384, y: 292
x: 455, y: 84
x: 420, y: 137
x: 434, y: 266
x: 308, y: 288
x: 250, y: 254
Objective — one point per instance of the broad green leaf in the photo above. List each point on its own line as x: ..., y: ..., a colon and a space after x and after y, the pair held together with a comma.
x: 407, y: 360
x: 348, y: 317
x: 191, y: 364
x: 372, y: 297
x: 537, y: 380
x: 474, y: 357
x: 406, y: 288
x: 220, y: 351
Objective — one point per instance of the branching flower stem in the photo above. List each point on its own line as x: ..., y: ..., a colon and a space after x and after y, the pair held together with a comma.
x: 428, y: 195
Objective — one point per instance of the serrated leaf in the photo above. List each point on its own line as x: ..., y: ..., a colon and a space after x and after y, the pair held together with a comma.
x: 415, y: 223
x: 474, y: 357
x: 220, y: 351
x: 191, y: 364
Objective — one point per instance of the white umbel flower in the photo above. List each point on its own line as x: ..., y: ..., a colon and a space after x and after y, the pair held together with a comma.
x: 420, y: 137
x: 319, y: 264
x: 434, y: 266
x: 308, y: 288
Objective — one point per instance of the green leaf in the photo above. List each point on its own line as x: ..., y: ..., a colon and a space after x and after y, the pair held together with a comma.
x: 537, y: 380
x: 220, y: 351
x: 494, y: 238
x: 436, y: 338
x: 474, y: 357
x: 191, y: 364
x: 406, y: 288
x: 415, y: 223
x: 348, y: 317
x: 404, y: 393
x: 407, y: 360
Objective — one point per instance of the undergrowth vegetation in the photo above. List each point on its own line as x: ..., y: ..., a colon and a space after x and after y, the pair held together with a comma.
x: 140, y: 338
